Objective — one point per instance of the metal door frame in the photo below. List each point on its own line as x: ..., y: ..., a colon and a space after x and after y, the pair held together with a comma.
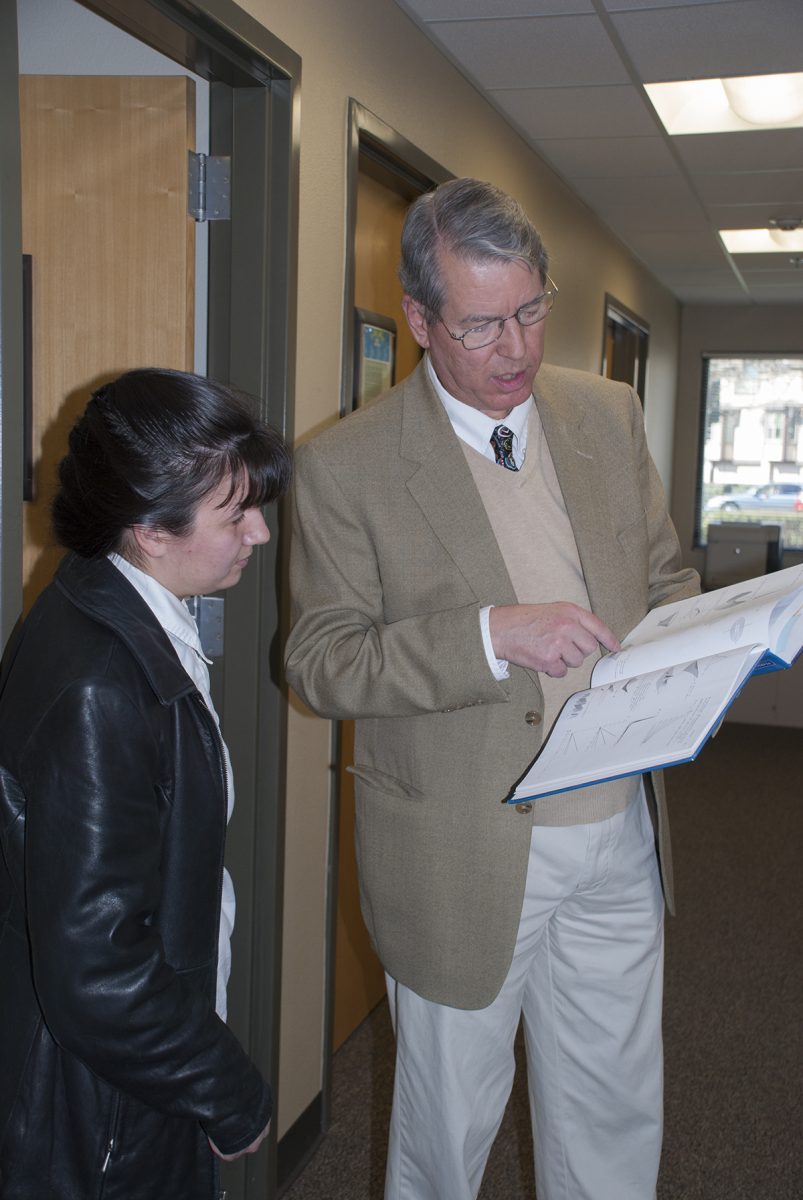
x: 11, y: 343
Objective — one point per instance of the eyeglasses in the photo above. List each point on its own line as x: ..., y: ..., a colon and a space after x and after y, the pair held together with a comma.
x: 490, y: 331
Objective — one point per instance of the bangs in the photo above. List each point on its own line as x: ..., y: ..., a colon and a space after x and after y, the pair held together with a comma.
x: 258, y: 470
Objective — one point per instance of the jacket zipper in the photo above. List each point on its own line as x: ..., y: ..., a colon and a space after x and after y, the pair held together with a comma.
x: 115, y: 1113
x: 109, y: 1149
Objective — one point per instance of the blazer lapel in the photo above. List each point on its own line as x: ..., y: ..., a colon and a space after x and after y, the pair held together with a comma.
x: 578, y: 464
x: 441, y: 484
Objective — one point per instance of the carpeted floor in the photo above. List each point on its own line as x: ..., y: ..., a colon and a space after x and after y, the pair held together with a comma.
x: 732, y: 1016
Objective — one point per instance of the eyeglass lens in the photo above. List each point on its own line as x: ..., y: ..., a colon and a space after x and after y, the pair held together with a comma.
x: 528, y: 314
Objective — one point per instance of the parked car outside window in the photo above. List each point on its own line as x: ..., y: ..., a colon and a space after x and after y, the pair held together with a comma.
x: 769, y: 496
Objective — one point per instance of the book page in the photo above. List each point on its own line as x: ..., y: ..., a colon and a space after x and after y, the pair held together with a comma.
x: 786, y: 627
x: 633, y: 725
x: 714, y: 622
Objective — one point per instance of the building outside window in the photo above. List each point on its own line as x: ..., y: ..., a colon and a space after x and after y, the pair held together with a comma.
x: 751, y: 466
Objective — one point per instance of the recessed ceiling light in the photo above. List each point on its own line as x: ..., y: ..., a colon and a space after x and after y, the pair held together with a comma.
x: 762, y: 241
x: 786, y: 237
x: 766, y: 100
x: 748, y: 102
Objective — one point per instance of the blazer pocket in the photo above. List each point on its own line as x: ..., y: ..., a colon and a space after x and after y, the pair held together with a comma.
x: 381, y: 782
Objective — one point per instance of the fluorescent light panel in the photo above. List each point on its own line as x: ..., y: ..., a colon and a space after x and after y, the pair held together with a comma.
x: 762, y: 241
x: 723, y: 105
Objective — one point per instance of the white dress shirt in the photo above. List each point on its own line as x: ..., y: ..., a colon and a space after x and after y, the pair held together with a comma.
x: 475, y: 428
x: 179, y: 625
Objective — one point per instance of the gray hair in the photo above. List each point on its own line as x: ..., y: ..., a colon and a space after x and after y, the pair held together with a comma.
x: 473, y: 220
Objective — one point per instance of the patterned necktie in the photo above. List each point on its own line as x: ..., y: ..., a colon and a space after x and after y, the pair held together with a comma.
x: 502, y: 442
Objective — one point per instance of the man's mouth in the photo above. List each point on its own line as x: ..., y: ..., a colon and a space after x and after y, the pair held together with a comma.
x: 509, y: 383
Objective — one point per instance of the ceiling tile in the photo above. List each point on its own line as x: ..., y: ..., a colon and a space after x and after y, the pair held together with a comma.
x: 701, y: 287
x: 657, y: 194
x: 754, y: 265
x: 722, y: 276
x: 750, y: 216
x: 786, y: 276
x: 590, y: 158
x: 631, y: 5
x: 633, y: 211
x: 777, y: 294
x: 450, y: 10
x: 710, y: 295
x: 758, y: 187
x: 519, y: 52
x: 745, y: 37
x: 679, y: 250
x: 628, y: 217
x: 576, y: 112
x: 764, y: 150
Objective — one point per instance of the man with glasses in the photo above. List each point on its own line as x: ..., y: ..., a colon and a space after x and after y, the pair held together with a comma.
x: 464, y: 548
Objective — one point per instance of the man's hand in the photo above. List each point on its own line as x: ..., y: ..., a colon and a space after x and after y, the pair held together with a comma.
x: 548, y: 637
x: 252, y: 1149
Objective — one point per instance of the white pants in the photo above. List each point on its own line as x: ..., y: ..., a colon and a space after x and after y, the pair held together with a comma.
x: 587, y: 978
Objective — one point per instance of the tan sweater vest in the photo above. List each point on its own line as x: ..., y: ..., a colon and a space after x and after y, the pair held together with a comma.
x: 532, y: 528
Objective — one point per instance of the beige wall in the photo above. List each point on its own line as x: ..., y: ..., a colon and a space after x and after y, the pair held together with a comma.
x: 718, y: 329
x: 369, y: 50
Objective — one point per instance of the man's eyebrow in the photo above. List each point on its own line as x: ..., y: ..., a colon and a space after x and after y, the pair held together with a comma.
x: 482, y: 318
x: 479, y: 318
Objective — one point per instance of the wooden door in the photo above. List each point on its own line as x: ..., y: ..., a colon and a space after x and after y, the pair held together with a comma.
x: 104, y: 219
x: 359, y: 979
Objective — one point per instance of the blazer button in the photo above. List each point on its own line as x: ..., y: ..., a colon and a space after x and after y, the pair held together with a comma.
x: 524, y: 808
x: 532, y: 717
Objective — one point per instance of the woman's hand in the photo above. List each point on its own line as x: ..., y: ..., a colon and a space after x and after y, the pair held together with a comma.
x: 252, y: 1149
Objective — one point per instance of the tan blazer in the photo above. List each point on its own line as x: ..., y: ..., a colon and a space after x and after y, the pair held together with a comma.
x: 392, y: 558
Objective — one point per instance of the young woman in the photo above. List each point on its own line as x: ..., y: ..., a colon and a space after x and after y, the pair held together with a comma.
x: 118, y: 1077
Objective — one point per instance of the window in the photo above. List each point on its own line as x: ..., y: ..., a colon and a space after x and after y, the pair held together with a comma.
x: 774, y: 426
x: 751, y: 465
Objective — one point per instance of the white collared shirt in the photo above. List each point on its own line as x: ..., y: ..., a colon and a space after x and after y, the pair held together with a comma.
x: 179, y: 625
x: 475, y: 428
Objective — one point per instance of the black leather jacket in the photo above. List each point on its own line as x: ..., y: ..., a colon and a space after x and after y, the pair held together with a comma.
x: 113, y: 1064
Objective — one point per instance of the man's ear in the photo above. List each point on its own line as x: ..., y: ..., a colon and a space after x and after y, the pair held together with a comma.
x: 151, y: 542
x: 417, y: 321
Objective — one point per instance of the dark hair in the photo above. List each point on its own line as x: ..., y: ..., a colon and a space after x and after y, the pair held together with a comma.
x: 147, y: 450
x: 472, y: 219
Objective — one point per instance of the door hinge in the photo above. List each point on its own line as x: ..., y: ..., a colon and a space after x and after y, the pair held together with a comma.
x: 209, y: 187
x: 208, y: 613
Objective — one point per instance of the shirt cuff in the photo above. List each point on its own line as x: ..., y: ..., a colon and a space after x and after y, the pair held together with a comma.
x: 499, y: 666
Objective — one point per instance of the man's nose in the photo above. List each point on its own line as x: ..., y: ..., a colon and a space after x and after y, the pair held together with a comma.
x: 511, y: 343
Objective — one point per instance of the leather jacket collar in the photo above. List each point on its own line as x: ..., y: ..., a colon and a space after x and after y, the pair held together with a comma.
x: 97, y: 588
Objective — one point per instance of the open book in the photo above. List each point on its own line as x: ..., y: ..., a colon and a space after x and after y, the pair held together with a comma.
x: 655, y: 702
